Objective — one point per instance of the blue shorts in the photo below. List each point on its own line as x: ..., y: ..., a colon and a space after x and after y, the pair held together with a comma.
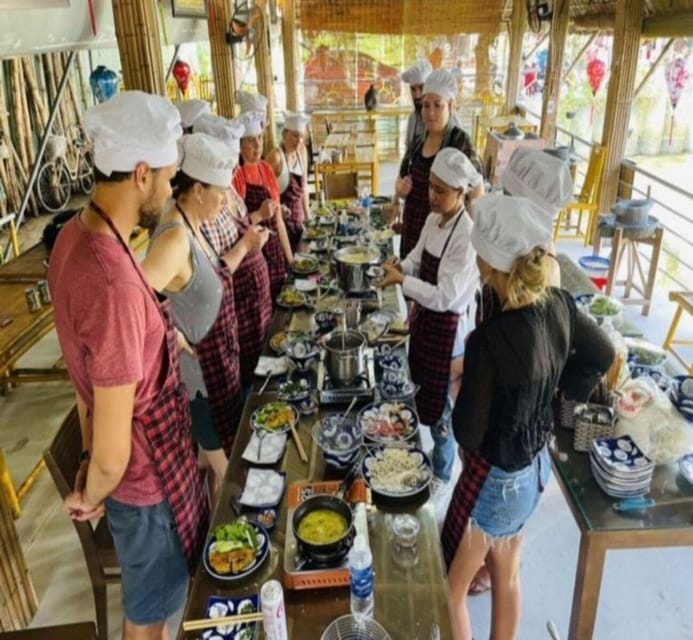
x: 508, y: 498
x: 153, y: 567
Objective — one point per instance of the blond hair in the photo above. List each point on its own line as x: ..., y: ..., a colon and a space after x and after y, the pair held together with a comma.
x: 529, y: 279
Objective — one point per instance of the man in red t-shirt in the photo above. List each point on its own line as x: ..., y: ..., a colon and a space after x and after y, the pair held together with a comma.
x: 116, y: 344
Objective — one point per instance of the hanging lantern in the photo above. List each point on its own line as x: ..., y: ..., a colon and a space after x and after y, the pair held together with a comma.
x: 596, y: 70
x: 676, y: 75
x: 182, y: 72
x: 103, y: 83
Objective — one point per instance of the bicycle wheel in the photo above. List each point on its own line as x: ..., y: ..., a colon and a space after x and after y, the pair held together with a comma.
x: 53, y: 186
x: 86, y: 174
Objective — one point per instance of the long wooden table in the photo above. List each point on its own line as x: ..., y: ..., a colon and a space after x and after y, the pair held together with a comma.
x: 408, y: 602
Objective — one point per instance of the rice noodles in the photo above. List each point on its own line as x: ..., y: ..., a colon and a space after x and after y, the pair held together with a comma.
x: 396, y: 470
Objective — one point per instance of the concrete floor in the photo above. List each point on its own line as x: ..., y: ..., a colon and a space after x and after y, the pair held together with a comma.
x: 645, y: 594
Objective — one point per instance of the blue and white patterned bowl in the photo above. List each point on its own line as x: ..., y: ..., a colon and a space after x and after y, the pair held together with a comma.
x: 339, y: 440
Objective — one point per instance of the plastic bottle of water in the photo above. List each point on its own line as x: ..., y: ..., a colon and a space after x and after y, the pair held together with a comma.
x: 361, y: 571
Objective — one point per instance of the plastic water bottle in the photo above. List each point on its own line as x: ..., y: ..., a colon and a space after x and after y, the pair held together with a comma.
x: 361, y: 572
x: 365, y: 200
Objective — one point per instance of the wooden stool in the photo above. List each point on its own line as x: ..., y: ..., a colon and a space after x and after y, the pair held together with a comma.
x: 621, y: 244
x: 684, y: 302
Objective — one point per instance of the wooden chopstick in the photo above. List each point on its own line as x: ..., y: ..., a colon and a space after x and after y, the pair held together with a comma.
x: 210, y: 623
x: 299, y: 444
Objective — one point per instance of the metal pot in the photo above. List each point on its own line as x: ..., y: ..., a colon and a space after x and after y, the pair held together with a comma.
x: 351, y: 264
x: 633, y: 212
x: 513, y: 133
x: 345, y: 358
x: 331, y: 503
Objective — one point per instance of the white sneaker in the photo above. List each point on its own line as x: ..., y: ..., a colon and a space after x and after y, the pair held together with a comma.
x: 437, y: 487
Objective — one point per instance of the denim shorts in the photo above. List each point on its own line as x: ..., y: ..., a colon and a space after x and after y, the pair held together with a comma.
x: 508, y: 498
x: 153, y: 567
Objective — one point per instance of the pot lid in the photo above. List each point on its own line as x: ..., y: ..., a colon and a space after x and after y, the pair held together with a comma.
x: 513, y: 133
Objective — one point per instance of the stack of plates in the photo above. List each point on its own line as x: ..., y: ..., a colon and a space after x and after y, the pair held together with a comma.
x: 620, y: 468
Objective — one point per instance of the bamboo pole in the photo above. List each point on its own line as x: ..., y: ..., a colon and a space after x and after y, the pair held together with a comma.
x: 289, y: 31
x: 40, y: 112
x: 17, y: 112
x: 75, y: 106
x: 218, y: 18
x: 552, y: 85
x: 263, y: 69
x: 518, y: 26
x: 26, y: 116
x: 482, y: 82
x: 83, y: 104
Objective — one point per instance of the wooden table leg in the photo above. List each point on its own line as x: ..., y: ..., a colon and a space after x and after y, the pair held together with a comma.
x: 588, y: 580
x: 652, y: 274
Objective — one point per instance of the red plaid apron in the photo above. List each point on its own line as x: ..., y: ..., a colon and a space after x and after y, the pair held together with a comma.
x: 474, y: 472
x: 255, y: 195
x: 292, y: 197
x: 217, y: 354
x: 253, y: 307
x: 431, y: 343
x: 166, y: 425
x: 416, y: 206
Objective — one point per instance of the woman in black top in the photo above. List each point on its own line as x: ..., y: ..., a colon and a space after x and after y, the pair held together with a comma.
x: 514, y: 361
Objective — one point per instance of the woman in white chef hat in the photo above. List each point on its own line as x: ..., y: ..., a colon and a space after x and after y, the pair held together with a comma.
x: 412, y: 184
x: 415, y: 76
x: 502, y: 418
x: 290, y: 164
x: 181, y: 264
x: 439, y: 275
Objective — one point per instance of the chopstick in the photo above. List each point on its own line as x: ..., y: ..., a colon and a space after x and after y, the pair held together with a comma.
x: 210, y: 623
x: 299, y: 444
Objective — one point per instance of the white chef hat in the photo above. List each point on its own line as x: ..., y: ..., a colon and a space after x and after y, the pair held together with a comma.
x: 229, y: 132
x: 296, y: 121
x: 252, y: 102
x: 253, y: 121
x: 442, y: 83
x: 455, y: 169
x: 542, y: 178
x: 191, y: 110
x: 133, y: 127
x: 507, y: 228
x: 207, y: 159
x: 418, y: 72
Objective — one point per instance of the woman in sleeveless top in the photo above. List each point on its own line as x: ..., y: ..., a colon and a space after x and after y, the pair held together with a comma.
x: 439, y: 275
x: 412, y: 184
x: 289, y: 161
x: 185, y: 267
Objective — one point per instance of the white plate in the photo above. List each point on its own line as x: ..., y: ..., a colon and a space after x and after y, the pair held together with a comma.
x: 273, y: 445
x: 305, y: 286
x: 263, y: 488
x: 267, y: 365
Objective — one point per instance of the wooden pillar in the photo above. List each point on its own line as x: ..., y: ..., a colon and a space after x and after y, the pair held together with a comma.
x: 263, y: 69
x: 290, y: 54
x: 554, y: 70
x: 139, y: 45
x: 219, y: 14
x: 518, y: 21
x: 627, y: 31
x: 482, y: 84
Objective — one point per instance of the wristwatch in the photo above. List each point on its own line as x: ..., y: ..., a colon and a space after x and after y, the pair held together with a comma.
x: 84, y: 456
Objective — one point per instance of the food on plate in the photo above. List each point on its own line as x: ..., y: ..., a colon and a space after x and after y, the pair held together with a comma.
x: 313, y: 233
x: 357, y: 256
x: 328, y: 303
x: 383, y: 235
x: 322, y: 526
x: 604, y: 306
x: 645, y: 353
x: 388, y: 421
x: 294, y: 390
x: 278, y: 339
x: 305, y: 264
x: 267, y: 518
x: 395, y: 470
x: 274, y: 416
x: 290, y: 297
x: 235, y: 547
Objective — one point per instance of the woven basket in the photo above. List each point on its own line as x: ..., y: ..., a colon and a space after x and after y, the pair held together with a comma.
x: 564, y: 411
x: 587, y: 428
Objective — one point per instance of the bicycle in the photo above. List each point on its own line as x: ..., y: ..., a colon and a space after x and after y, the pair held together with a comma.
x: 58, y: 174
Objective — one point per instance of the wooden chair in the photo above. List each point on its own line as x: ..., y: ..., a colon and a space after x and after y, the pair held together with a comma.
x: 62, y: 460
x: 586, y: 202
x: 684, y: 302
x: 78, y: 631
x: 341, y: 185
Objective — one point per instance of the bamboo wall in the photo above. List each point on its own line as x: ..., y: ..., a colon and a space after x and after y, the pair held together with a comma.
x: 28, y: 86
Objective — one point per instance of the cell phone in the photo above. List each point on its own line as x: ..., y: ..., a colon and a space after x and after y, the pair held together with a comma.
x: 5, y: 320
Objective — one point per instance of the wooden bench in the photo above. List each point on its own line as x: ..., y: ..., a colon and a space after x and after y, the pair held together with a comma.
x: 684, y: 302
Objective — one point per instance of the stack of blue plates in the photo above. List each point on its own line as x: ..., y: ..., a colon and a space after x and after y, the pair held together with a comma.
x: 681, y: 394
x: 620, y: 468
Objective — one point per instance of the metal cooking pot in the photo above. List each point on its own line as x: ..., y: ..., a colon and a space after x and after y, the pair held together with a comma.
x: 331, y: 503
x: 351, y: 264
x: 346, y: 352
x: 513, y: 132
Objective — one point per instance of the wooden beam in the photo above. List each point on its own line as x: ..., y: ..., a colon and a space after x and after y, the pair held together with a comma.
x: 554, y: 69
x: 219, y: 14
x: 627, y: 31
x: 652, y: 68
x: 482, y: 82
x: 675, y: 25
x: 518, y: 22
x: 571, y: 66
x: 290, y: 45
x: 594, y: 22
x: 263, y: 69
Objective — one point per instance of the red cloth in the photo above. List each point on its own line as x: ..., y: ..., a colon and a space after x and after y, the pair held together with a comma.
x: 417, y: 205
x: 259, y: 174
x: 96, y: 331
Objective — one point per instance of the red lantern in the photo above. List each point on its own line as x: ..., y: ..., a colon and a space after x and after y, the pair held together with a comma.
x: 596, y: 70
x: 676, y: 75
x: 181, y: 72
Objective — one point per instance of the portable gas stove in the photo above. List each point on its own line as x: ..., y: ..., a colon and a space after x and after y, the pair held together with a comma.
x: 363, y: 387
x: 371, y: 299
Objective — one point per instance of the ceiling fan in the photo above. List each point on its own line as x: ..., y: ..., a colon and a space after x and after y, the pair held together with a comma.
x: 246, y: 26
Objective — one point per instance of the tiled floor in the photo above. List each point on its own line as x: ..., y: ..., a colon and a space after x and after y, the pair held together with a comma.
x: 645, y: 594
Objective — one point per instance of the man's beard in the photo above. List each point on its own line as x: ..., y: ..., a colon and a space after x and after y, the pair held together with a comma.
x: 149, y: 215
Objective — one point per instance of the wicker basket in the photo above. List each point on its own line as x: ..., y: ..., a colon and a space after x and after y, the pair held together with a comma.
x: 564, y: 411
x: 593, y: 421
